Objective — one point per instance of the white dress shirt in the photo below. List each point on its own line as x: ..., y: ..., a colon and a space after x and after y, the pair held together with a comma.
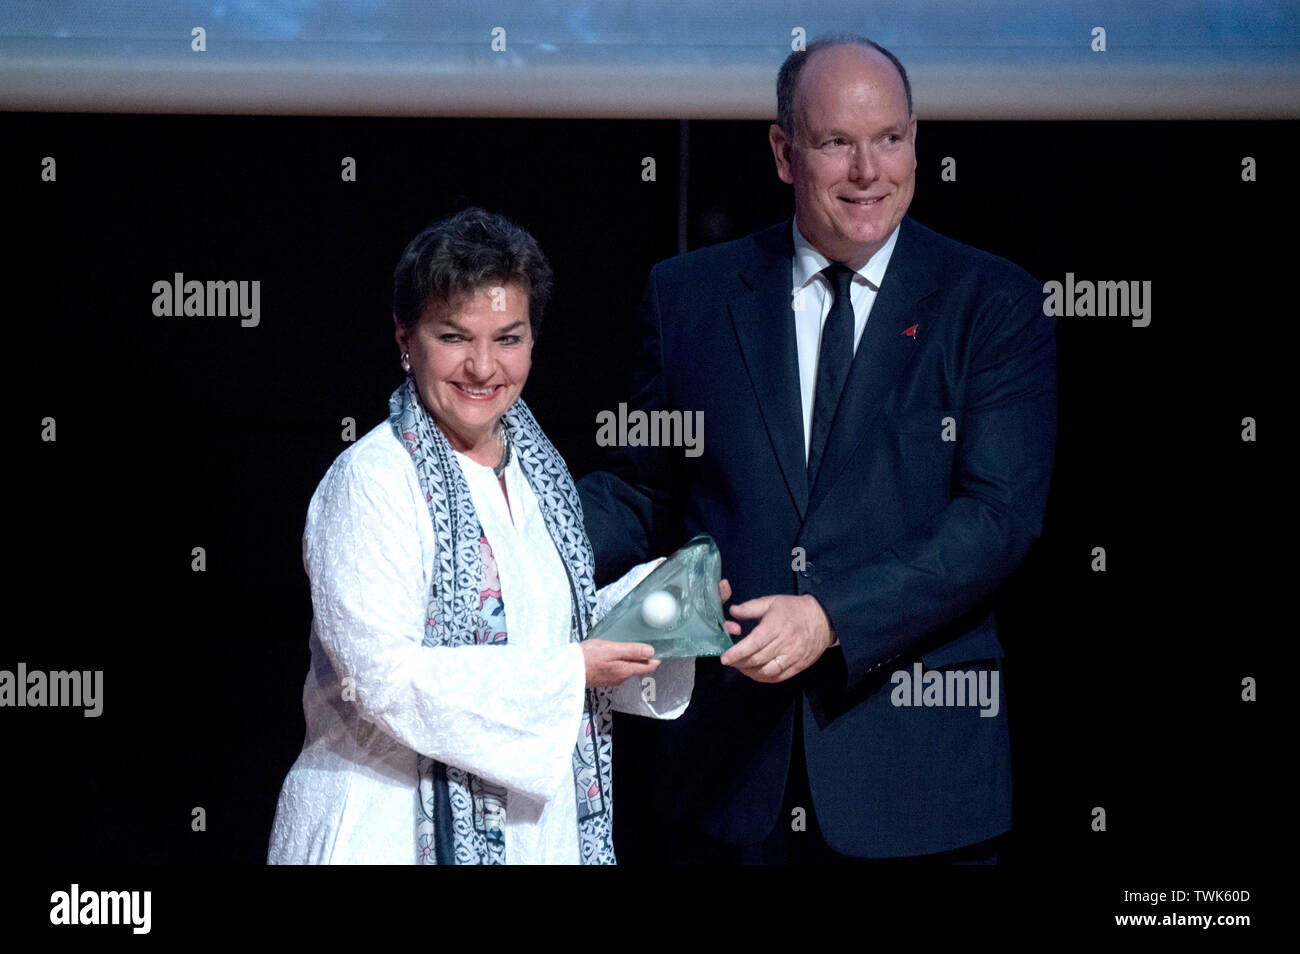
x: 813, y: 297
x: 535, y: 591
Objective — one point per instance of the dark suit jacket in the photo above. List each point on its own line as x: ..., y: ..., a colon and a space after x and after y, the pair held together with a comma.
x: 906, y: 535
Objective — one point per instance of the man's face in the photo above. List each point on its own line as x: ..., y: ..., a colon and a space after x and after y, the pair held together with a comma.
x: 852, y: 156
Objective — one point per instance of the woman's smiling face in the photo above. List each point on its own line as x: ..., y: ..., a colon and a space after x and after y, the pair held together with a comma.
x: 470, y: 358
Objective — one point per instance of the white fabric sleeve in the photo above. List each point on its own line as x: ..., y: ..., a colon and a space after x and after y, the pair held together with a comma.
x: 510, y: 714
x: 668, y: 690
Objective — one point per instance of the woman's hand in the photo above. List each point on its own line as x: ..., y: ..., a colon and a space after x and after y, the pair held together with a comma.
x: 609, y: 662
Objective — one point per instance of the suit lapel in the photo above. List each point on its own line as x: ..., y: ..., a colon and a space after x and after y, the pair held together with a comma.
x: 882, y: 354
x: 763, y: 317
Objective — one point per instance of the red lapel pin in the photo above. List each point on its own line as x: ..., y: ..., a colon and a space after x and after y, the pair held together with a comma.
x: 911, y: 332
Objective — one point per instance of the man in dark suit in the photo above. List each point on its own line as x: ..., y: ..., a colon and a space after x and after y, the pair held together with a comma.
x: 879, y: 407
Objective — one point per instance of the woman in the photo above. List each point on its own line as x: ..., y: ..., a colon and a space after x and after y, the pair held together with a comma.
x: 452, y: 711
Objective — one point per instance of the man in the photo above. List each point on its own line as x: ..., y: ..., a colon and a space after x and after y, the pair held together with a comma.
x: 880, y: 416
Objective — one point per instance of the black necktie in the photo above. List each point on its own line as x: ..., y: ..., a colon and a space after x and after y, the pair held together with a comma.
x: 832, y: 363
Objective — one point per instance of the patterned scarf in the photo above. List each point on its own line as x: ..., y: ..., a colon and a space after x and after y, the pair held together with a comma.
x: 460, y: 817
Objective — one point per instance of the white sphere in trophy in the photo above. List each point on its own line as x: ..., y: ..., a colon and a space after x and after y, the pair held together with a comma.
x: 660, y: 609
x: 676, y: 608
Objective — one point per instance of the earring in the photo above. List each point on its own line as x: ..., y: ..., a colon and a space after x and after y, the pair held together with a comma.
x: 406, y: 362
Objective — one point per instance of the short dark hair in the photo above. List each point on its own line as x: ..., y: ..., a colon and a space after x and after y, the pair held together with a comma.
x: 788, y: 78
x: 463, y: 253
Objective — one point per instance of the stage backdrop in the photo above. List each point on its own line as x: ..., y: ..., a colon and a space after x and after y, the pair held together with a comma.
x: 162, y: 466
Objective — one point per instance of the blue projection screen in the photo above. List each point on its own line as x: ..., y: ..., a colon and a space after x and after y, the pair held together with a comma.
x: 994, y: 59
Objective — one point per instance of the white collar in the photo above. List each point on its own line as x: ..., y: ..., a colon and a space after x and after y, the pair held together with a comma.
x: 808, y: 261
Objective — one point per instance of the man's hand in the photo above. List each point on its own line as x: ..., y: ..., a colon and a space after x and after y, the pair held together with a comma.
x: 724, y: 590
x: 791, y: 635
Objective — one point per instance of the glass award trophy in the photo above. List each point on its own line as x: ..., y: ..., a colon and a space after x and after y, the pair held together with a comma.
x: 676, y: 608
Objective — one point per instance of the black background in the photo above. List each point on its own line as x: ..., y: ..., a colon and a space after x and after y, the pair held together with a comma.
x: 1124, y: 687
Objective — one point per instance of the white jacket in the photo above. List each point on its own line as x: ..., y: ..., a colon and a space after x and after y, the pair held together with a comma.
x: 375, y: 696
